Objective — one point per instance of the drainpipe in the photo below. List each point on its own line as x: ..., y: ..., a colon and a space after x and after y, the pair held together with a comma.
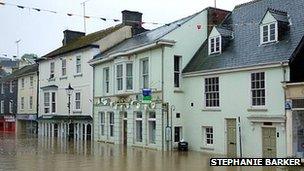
x: 93, y: 113
x: 37, y: 101
x: 240, y: 138
x: 162, y: 92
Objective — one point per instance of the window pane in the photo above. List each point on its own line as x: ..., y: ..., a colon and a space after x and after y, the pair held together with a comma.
x: 129, y: 76
x: 212, y: 92
x: 258, y: 89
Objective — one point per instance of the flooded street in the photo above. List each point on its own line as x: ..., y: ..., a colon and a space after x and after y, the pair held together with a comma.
x: 24, y: 153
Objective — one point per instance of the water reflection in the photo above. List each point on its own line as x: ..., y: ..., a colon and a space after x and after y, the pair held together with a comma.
x: 22, y: 153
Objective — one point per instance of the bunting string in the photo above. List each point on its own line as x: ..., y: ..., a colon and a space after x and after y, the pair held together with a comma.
x: 199, y: 26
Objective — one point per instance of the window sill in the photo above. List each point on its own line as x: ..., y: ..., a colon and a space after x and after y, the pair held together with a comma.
x: 77, y: 111
x: 78, y: 75
x: 177, y: 90
x: 51, y: 79
x: 211, y: 109
x: 269, y: 43
x: 63, y: 78
x: 207, y: 148
x: 256, y: 109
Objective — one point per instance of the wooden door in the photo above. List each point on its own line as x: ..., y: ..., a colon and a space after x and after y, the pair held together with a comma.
x: 231, y: 138
x: 269, y: 143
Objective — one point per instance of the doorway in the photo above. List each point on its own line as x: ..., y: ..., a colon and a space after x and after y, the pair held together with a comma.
x: 231, y: 138
x: 178, y: 133
x: 269, y: 143
x: 125, y: 128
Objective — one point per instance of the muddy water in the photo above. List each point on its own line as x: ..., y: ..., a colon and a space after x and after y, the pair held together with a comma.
x: 32, y: 153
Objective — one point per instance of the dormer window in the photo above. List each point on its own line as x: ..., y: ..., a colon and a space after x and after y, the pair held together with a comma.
x: 269, y: 33
x: 215, y: 45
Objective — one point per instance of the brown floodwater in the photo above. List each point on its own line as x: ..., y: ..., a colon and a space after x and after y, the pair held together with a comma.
x: 32, y: 153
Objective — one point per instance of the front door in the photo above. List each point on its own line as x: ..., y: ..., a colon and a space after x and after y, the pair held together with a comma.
x: 125, y: 132
x: 231, y: 138
x: 177, y: 134
x: 269, y: 142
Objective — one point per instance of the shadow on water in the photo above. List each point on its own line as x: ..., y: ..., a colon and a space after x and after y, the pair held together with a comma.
x: 33, y: 153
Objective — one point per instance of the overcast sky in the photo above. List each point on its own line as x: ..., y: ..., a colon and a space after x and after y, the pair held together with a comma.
x: 41, y: 32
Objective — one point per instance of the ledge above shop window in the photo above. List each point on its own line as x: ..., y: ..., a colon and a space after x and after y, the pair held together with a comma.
x: 257, y: 109
x: 63, y: 78
x: 78, y: 75
x: 51, y: 79
x: 211, y: 109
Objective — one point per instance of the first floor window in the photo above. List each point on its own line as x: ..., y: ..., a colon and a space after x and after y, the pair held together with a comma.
x: 102, y: 122
x: 145, y: 73
x: 119, y: 77
x: 52, y: 70
x: 177, y: 70
x: 129, y: 76
x: 258, y: 89
x: 208, y: 136
x: 46, y: 102
x: 31, y: 102
x: 2, y: 106
x: 106, y: 80
x: 139, y: 126
x: 11, y: 106
x: 212, y: 95
x: 77, y: 101
x: 111, y: 122
x: 22, y: 103
x: 63, y: 67
x: 31, y: 81
x: 78, y: 64
x: 152, y: 127
x: 53, y: 102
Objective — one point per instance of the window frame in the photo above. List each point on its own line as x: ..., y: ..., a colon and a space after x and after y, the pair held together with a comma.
x: 31, y: 100
x: 2, y: 107
x: 63, y: 67
x: 177, y: 71
x: 268, y: 25
x: 138, y: 137
x: 213, y: 100
x: 205, y: 134
x: 129, y: 76
x: 77, y: 101
x: 150, y: 121
x: 143, y: 75
x: 51, y: 104
x: 257, y: 89
x: 78, y: 66
x: 212, y: 49
x: 11, y: 105
x: 106, y: 80
x: 111, y: 124
x: 52, y: 70
x: 102, y: 122
x: 22, y: 102
x: 120, y: 78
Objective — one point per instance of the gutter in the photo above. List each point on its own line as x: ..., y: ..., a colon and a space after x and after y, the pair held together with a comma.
x: 236, y: 69
x: 132, y: 51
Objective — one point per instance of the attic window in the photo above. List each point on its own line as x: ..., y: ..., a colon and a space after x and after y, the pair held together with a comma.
x: 269, y: 33
x: 215, y: 45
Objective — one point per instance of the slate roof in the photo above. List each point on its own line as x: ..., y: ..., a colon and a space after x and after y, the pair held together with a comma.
x: 9, y: 63
x: 21, y: 72
x: 245, y: 49
x: 144, y: 38
x: 83, y: 42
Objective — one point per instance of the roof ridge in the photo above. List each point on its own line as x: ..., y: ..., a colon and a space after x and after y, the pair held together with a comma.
x: 247, y: 3
x: 277, y: 11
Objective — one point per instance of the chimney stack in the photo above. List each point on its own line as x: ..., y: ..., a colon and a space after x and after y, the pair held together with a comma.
x: 70, y: 36
x: 132, y: 18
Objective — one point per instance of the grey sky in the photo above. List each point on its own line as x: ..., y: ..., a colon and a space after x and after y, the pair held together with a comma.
x: 41, y: 32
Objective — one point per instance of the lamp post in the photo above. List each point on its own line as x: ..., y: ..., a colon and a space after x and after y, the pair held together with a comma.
x: 69, y: 91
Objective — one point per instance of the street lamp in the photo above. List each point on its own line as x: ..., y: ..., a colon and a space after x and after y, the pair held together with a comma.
x: 69, y: 91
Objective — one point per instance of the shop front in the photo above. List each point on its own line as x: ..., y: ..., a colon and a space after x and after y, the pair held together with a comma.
x: 7, y: 123
x: 26, y: 124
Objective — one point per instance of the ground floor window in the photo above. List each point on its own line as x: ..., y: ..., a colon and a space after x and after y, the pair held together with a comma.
x: 111, y: 123
x: 102, y: 122
x: 139, y: 127
x: 298, y: 133
x: 152, y: 127
x: 207, y: 135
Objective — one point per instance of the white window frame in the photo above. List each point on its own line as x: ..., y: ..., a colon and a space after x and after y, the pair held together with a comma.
x: 63, y: 67
x: 129, y: 76
x: 212, y: 93
x: 11, y: 86
x: 31, y: 103
x: 106, y: 80
x: 258, y: 89
x: 143, y: 75
x: 77, y: 108
x: 102, y: 122
x: 22, y: 103
x: 31, y: 81
x: 268, y: 33
x: 205, y: 134
x: 50, y: 104
x: 52, y: 70
x: 11, y: 104
x: 119, y: 78
x: 138, y: 138
x: 150, y: 121
x: 177, y: 71
x: 111, y: 124
x: 78, y: 65
x: 2, y: 106
x: 215, y: 45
